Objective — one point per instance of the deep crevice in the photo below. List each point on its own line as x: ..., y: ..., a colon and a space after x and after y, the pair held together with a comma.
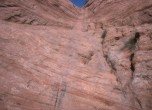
x: 109, y: 62
x: 132, y: 47
x: 107, y: 59
x: 131, y: 43
x: 137, y: 35
x: 132, y: 66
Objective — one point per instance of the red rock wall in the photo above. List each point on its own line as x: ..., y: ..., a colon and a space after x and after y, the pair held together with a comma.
x: 54, y: 56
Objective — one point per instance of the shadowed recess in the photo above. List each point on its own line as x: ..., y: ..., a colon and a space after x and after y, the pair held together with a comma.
x: 79, y: 3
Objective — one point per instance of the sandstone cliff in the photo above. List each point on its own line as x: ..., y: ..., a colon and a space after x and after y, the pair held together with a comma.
x: 55, y: 56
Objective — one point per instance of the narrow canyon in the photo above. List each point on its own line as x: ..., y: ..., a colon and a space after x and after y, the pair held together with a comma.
x: 55, y: 55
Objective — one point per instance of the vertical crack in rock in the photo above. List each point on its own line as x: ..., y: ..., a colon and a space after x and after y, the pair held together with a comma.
x: 107, y: 59
x: 132, y: 66
x: 131, y: 45
x: 60, y: 95
x: 111, y: 65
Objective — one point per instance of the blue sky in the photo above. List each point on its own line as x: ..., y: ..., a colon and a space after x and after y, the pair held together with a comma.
x: 79, y: 3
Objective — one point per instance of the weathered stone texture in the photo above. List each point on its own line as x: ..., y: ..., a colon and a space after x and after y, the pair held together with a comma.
x: 54, y: 56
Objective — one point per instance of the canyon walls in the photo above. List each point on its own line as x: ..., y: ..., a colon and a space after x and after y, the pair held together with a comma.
x: 56, y: 56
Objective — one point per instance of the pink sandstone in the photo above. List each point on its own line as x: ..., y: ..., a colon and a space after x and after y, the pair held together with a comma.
x: 54, y: 56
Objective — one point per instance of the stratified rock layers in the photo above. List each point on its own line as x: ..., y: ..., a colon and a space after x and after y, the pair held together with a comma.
x: 54, y: 56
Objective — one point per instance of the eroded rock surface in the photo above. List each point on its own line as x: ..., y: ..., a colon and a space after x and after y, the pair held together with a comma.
x: 55, y: 56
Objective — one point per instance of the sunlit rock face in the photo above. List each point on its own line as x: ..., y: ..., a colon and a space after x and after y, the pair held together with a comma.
x: 55, y: 55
